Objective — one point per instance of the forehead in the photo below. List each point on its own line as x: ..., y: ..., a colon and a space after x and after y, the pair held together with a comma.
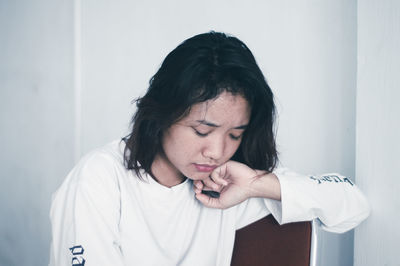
x: 226, y: 109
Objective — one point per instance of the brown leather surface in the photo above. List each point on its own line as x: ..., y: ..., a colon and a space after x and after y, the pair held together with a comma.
x: 266, y: 243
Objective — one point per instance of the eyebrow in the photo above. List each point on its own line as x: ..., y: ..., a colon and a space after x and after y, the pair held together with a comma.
x: 210, y: 124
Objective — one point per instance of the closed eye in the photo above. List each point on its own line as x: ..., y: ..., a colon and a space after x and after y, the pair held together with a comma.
x: 235, y: 137
x: 198, y: 133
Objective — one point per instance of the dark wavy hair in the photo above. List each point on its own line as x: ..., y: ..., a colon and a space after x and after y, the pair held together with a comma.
x: 200, y: 69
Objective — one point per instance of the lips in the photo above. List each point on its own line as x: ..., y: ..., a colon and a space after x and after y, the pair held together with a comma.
x: 205, y: 167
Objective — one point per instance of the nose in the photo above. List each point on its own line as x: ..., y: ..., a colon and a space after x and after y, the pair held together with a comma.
x: 214, y: 148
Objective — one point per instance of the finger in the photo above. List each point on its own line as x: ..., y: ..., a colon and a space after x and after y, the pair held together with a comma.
x: 211, y: 184
x: 209, y: 201
x: 204, y: 186
x: 197, y: 190
x: 219, y: 175
x: 197, y: 186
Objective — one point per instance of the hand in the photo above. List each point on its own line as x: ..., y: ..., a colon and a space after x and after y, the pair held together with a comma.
x: 236, y: 182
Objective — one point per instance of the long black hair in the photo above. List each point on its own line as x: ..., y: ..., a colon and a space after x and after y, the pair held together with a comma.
x: 199, y: 69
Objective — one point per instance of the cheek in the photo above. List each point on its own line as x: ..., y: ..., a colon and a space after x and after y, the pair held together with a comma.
x: 180, y: 144
x: 232, y: 148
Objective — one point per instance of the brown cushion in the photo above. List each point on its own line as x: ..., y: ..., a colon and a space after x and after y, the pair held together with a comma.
x: 267, y: 243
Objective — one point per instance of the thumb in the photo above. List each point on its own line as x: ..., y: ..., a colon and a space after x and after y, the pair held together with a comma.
x: 209, y: 201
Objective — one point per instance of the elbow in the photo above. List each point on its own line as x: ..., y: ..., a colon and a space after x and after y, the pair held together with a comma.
x: 351, y: 215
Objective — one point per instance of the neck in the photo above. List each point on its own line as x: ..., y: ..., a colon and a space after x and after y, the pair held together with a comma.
x: 165, y: 173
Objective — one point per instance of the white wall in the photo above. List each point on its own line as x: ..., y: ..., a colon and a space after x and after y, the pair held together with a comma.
x: 316, y: 95
x: 378, y: 131
x: 306, y: 48
x: 36, y: 118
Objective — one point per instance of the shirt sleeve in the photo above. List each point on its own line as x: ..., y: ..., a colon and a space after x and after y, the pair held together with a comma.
x: 85, y: 215
x: 333, y: 199
x: 249, y: 211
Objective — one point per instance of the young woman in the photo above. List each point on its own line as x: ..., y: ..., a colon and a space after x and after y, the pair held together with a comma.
x: 198, y: 165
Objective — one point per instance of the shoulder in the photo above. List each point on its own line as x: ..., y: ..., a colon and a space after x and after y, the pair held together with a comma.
x: 100, y: 163
x: 90, y: 194
x: 100, y: 169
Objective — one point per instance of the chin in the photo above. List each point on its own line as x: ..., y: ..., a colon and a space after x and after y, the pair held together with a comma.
x: 198, y: 176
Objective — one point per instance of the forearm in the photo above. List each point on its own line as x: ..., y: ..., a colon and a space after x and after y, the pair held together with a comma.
x: 266, y: 186
x: 333, y: 199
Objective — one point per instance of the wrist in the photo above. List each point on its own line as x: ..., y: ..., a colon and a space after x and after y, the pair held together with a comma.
x: 266, y: 185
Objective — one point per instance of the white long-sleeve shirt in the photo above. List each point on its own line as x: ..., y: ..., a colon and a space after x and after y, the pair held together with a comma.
x: 103, y: 214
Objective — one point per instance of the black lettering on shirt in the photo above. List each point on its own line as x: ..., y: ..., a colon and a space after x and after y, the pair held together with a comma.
x: 77, y: 250
x: 78, y: 259
x: 331, y: 178
x: 347, y: 180
x: 316, y: 179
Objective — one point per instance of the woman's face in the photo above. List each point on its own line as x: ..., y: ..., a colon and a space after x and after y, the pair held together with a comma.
x: 207, y: 137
